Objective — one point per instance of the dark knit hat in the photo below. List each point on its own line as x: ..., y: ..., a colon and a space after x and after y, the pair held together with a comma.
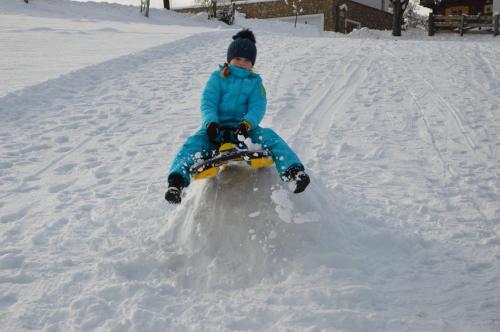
x: 243, y: 45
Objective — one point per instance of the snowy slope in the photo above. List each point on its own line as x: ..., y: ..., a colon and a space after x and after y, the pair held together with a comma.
x: 399, y: 230
x: 67, y: 36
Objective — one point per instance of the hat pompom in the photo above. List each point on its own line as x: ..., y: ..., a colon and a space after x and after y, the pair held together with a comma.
x: 245, y: 34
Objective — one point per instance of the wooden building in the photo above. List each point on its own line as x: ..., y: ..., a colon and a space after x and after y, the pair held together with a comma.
x: 478, y: 16
x: 460, y: 7
x: 328, y: 15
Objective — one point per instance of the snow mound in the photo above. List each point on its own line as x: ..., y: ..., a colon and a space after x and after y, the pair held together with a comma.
x: 224, y: 242
x: 220, y: 242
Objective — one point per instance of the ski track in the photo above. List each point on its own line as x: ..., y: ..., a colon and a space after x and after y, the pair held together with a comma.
x: 442, y: 139
x: 88, y: 243
x: 335, y: 122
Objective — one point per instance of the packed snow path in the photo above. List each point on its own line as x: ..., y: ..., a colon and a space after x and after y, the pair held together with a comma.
x: 398, y: 230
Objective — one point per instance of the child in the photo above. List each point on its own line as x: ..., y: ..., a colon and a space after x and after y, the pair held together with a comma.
x: 234, y: 96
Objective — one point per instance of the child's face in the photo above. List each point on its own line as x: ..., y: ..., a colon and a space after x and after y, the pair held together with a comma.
x: 241, y: 62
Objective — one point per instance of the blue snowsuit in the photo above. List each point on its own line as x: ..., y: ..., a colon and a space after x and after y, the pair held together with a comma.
x: 229, y: 101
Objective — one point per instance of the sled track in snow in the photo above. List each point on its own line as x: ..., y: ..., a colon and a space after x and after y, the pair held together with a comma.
x: 423, y: 91
x: 320, y: 101
x: 431, y: 91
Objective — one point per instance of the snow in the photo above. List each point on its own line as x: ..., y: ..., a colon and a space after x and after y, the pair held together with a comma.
x: 398, y: 231
x: 77, y: 38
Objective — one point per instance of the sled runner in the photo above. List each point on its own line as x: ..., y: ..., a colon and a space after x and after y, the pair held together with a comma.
x: 231, y: 151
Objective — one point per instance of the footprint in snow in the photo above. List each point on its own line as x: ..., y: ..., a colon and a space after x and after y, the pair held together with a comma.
x: 65, y: 169
x: 59, y: 187
x: 5, y: 165
x: 12, y: 217
x: 61, y: 139
x: 11, y: 261
x: 7, y: 299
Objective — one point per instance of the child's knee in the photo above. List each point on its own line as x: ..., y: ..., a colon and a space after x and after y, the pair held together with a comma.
x: 263, y: 136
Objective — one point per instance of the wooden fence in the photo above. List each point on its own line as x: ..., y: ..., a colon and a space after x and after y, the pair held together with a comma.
x: 463, y: 23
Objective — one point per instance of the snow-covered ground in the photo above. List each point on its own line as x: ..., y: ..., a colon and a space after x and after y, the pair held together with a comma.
x: 51, y: 38
x: 399, y: 230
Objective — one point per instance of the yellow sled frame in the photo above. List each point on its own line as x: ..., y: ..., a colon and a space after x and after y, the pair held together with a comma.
x: 254, y: 163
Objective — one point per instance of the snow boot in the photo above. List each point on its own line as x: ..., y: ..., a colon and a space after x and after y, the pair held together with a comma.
x: 297, y: 175
x: 174, y: 191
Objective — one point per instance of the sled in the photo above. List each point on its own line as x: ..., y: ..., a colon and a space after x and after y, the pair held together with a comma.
x: 229, y: 153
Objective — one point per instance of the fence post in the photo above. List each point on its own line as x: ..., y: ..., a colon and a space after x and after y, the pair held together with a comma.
x: 431, y: 25
x: 461, y: 27
x: 214, y: 9
x: 496, y: 25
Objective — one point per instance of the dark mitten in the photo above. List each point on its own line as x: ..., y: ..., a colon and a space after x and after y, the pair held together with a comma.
x: 213, y: 131
x: 243, y: 130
